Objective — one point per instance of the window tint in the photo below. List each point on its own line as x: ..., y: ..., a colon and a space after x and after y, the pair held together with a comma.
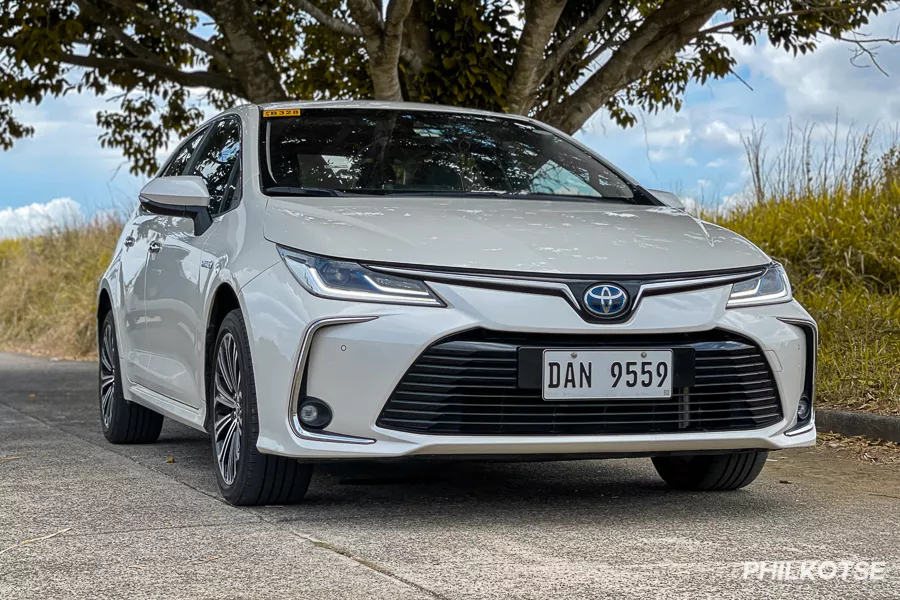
x: 216, y: 164
x: 393, y: 151
x: 182, y: 156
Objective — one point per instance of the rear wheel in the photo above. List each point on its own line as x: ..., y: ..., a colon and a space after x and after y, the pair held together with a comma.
x: 123, y: 422
x: 245, y: 476
x: 710, y: 472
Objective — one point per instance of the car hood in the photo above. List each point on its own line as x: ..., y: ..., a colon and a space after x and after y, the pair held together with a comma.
x: 531, y: 236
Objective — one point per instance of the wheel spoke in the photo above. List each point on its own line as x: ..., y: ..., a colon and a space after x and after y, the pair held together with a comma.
x: 226, y: 440
x: 106, y: 405
x: 222, y: 369
x: 104, y: 358
x: 234, y: 450
x: 222, y: 424
x: 225, y: 454
x: 233, y: 366
x: 224, y: 397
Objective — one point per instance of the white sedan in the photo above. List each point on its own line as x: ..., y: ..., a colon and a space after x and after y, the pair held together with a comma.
x: 341, y: 281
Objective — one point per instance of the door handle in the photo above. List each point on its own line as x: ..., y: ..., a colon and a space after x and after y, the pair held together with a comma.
x: 155, y: 247
x: 129, y: 241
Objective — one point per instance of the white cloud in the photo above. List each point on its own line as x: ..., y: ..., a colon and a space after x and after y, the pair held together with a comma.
x: 718, y: 134
x: 39, y: 217
x: 717, y: 163
x: 668, y: 137
x: 659, y: 155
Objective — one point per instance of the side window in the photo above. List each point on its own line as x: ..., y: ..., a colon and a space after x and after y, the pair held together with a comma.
x: 218, y: 164
x: 182, y: 156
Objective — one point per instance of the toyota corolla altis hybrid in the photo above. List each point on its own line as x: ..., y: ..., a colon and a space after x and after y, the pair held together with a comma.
x: 341, y: 281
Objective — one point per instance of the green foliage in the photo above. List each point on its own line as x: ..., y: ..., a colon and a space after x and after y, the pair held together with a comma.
x: 473, y: 53
x: 328, y: 68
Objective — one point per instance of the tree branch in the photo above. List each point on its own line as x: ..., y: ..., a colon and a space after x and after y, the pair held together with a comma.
x: 541, y: 17
x: 774, y: 17
x: 553, y: 62
x: 178, y: 33
x: 185, y: 78
x: 251, y: 61
x: 94, y: 13
x: 335, y: 24
x: 367, y: 16
x: 662, y: 34
x: 384, y: 43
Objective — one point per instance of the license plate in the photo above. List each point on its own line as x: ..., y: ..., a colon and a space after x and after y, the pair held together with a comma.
x: 596, y: 374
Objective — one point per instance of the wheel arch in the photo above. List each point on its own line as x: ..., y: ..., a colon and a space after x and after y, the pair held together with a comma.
x: 104, y: 307
x: 223, y: 300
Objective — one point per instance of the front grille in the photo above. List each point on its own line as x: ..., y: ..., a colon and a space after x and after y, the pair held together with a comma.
x: 468, y: 384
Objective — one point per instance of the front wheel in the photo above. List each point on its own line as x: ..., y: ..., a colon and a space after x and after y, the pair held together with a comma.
x: 245, y: 476
x: 710, y: 472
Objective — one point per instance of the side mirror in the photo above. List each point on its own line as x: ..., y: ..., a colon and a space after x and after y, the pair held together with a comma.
x: 667, y: 198
x: 183, y: 196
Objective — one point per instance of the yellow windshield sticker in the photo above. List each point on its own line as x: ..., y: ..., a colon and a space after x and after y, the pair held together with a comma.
x: 282, y: 112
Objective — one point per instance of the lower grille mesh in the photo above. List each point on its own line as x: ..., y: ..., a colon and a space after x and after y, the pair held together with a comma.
x: 468, y: 385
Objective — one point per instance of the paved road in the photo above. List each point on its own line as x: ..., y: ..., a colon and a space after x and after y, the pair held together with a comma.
x: 138, y: 526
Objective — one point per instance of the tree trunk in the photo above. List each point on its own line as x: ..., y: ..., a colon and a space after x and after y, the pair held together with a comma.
x: 417, y: 38
x: 541, y: 17
x: 383, y: 41
x: 252, y: 65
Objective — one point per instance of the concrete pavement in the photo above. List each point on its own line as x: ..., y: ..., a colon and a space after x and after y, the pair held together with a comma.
x: 137, y: 526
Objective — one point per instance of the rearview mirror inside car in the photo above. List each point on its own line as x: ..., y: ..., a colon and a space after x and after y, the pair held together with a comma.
x: 182, y: 196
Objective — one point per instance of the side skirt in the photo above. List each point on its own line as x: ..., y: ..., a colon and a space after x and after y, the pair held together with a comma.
x: 168, y: 407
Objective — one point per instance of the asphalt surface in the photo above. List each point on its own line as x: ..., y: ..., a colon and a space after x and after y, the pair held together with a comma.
x: 134, y: 525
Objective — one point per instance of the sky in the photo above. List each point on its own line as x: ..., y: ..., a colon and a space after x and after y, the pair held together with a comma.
x: 62, y: 173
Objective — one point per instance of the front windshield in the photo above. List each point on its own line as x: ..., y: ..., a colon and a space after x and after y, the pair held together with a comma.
x: 340, y: 151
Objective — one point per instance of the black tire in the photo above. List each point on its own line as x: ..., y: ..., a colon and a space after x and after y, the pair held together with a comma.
x: 248, y: 477
x: 710, y: 472
x: 123, y: 422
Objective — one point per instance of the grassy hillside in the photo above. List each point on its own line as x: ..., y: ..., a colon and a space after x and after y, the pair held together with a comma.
x: 48, y: 296
x: 838, y: 234
x: 833, y: 220
x: 842, y: 251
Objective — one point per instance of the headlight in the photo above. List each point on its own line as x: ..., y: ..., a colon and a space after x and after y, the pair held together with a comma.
x: 341, y: 280
x: 771, y: 287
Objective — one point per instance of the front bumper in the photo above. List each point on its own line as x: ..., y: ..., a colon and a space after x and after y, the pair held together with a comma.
x: 353, y: 355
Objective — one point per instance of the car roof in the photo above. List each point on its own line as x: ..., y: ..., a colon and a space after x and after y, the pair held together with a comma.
x: 381, y: 105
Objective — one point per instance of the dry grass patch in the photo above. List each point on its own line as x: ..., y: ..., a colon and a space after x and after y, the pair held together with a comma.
x: 49, y: 293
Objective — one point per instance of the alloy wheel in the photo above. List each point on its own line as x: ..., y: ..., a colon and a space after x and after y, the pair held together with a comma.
x: 227, y: 408
x: 107, y: 373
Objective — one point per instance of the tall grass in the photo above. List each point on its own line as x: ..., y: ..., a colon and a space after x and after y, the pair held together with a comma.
x: 48, y: 296
x: 832, y: 217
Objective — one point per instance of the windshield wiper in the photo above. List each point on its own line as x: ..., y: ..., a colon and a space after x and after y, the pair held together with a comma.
x: 286, y: 190
x: 507, y: 195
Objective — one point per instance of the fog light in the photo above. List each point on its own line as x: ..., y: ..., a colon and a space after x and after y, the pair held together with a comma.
x: 803, y: 409
x: 314, y: 413
x: 309, y: 413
